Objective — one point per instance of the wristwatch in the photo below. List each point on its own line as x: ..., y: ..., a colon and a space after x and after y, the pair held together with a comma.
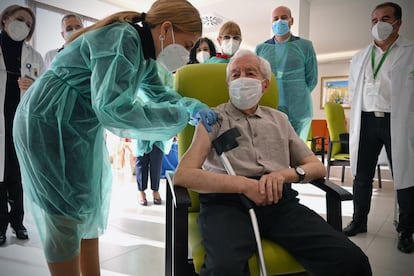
x: 301, y: 173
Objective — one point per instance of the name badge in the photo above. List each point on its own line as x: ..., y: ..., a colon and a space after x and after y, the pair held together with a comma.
x: 372, y: 88
x: 31, y: 70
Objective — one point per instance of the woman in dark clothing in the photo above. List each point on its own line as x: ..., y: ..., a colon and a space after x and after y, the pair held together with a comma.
x: 20, y: 65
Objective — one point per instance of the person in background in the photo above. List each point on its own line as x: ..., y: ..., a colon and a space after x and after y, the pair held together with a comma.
x: 170, y: 159
x: 269, y: 155
x: 202, y: 51
x: 149, y: 159
x: 381, y: 84
x: 70, y: 24
x: 106, y: 78
x: 294, y: 64
x: 229, y: 40
x: 20, y: 65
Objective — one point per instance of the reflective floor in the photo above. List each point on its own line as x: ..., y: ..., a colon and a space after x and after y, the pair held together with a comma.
x: 134, y: 241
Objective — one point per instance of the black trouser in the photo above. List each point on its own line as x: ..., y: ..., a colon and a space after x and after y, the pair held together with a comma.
x: 229, y: 239
x: 375, y: 133
x: 405, y: 198
x: 153, y: 161
x: 11, y: 191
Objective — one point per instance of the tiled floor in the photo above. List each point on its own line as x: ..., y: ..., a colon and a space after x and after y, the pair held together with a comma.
x: 134, y: 241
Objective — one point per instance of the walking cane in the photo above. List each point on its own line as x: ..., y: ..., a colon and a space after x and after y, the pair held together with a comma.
x: 222, y: 144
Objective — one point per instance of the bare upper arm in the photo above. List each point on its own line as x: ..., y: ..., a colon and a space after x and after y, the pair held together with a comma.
x: 197, y: 152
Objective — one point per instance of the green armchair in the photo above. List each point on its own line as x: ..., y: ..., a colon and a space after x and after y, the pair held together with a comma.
x: 184, y: 254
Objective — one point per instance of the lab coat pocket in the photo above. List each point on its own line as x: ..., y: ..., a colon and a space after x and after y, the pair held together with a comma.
x: 31, y: 70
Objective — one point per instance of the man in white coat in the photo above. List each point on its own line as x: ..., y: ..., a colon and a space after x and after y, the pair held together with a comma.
x: 70, y: 24
x: 381, y: 84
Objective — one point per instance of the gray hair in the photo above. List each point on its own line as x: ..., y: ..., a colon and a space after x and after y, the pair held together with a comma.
x: 70, y: 15
x: 264, y: 65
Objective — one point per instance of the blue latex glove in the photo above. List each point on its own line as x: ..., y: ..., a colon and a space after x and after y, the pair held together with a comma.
x: 207, y: 118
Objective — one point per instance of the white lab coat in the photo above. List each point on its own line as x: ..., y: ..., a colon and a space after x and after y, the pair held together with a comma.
x: 402, y: 110
x: 49, y: 56
x: 31, y: 57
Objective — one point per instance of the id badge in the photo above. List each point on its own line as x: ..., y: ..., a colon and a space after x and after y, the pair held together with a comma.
x: 31, y: 70
x: 372, y: 88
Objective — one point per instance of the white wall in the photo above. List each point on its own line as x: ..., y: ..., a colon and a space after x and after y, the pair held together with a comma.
x: 5, y: 3
x: 94, y: 9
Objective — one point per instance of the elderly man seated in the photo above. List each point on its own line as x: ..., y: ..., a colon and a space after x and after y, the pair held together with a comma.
x: 269, y: 154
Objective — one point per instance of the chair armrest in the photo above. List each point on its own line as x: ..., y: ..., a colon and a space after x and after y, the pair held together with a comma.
x: 338, y: 142
x: 330, y: 144
x: 315, y: 138
x: 332, y: 189
x: 176, y: 229
x: 180, y: 196
x: 335, y: 194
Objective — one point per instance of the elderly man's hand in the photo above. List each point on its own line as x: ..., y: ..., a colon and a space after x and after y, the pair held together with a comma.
x: 272, y: 186
x: 251, y: 191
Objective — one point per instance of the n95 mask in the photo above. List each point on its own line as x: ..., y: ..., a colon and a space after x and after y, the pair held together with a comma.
x: 174, y: 56
x: 17, y: 30
x: 245, y: 93
x: 230, y: 46
x: 382, y: 30
x: 68, y: 34
x: 202, y: 56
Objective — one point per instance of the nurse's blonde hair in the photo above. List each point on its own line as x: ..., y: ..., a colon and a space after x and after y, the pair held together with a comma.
x: 183, y: 16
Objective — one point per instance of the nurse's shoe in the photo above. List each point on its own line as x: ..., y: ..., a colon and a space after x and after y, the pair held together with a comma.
x: 405, y: 242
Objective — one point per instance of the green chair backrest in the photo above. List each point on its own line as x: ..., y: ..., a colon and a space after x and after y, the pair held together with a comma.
x: 207, y: 83
x: 335, y: 118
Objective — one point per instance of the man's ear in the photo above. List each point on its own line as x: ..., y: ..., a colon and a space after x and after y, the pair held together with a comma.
x: 265, y: 85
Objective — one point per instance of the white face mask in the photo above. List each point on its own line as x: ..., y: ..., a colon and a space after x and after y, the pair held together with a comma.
x: 382, y: 30
x: 230, y: 46
x: 174, y: 56
x: 68, y: 34
x: 245, y: 93
x: 202, y: 56
x: 17, y: 30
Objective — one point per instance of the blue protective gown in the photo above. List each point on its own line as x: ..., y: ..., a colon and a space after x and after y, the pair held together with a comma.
x: 295, y: 67
x: 106, y: 78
